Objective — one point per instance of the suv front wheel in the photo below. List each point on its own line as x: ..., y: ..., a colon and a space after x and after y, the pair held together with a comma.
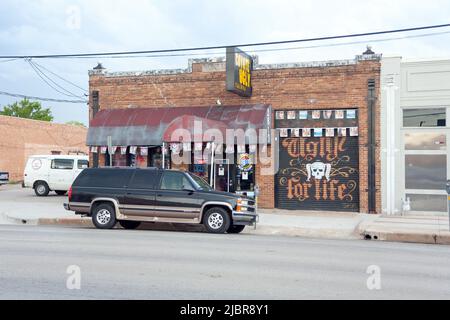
x: 104, y: 216
x: 217, y: 220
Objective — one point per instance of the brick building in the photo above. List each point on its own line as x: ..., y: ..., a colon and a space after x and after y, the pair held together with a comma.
x: 21, y: 138
x: 325, y: 117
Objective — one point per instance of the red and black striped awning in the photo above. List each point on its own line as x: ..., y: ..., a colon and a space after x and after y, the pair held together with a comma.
x: 152, y: 126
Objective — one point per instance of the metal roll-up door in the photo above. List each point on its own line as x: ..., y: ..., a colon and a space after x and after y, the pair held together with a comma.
x: 318, y: 174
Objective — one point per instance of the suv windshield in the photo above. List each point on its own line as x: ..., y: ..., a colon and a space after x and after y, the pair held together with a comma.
x: 200, y: 182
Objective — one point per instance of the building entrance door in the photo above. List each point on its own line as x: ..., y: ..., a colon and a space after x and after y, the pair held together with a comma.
x: 222, y: 175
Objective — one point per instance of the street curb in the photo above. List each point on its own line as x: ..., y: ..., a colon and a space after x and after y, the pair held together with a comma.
x: 329, y: 234
x: 403, y: 236
x: 362, y: 231
x: 73, y: 222
x: 21, y: 221
x: 261, y: 230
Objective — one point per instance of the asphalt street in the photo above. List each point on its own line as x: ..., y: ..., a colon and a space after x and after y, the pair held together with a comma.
x: 142, y: 264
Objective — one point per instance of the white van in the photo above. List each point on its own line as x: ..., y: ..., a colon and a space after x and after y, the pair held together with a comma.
x: 53, y: 173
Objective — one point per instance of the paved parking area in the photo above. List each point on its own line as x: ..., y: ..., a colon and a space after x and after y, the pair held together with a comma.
x: 19, y: 203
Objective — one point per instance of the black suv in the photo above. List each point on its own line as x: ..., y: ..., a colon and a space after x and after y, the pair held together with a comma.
x: 131, y: 196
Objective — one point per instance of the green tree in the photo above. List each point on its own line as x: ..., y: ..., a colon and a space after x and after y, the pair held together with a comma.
x: 76, y: 123
x: 27, y: 109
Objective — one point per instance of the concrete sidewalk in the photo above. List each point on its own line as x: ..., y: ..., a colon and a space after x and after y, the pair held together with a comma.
x: 418, y: 229
x: 311, y: 224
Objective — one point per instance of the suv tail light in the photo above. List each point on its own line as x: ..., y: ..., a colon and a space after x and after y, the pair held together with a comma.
x: 70, y: 193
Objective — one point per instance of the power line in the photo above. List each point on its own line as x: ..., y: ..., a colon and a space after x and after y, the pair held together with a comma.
x: 17, y: 95
x: 222, y: 47
x: 9, y: 60
x: 58, y: 76
x: 43, y: 77
x: 274, y: 49
x: 354, y: 42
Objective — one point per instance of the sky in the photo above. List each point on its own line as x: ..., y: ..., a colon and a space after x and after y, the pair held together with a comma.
x: 60, y: 27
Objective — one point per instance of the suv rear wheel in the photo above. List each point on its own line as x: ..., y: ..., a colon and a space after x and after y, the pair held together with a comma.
x: 130, y: 225
x: 104, y: 216
x: 41, y: 189
x: 217, y: 220
x: 235, y: 229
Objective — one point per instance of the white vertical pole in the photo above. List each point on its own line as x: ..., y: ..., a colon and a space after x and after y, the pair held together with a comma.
x: 212, y: 165
x: 110, y: 150
x: 392, y: 146
x: 391, y: 149
x: 163, y: 155
x: 388, y: 151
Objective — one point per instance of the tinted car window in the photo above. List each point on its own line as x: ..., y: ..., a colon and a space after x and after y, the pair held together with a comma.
x: 62, y: 164
x: 103, y: 178
x: 83, y: 164
x: 174, y: 181
x: 202, y: 184
x: 144, y: 179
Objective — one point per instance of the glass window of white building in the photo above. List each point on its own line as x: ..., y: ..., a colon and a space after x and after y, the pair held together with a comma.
x: 425, y: 135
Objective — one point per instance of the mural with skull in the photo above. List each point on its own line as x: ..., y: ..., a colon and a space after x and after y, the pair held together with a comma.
x: 318, y: 170
x: 318, y: 174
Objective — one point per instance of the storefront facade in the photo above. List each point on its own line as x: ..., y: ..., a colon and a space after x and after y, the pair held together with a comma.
x: 320, y: 123
x: 415, y: 134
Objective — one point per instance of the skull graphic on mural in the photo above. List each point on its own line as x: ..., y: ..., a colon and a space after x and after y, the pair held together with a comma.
x: 318, y: 170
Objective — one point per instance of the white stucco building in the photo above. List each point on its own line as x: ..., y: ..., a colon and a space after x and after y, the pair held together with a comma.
x: 415, y: 118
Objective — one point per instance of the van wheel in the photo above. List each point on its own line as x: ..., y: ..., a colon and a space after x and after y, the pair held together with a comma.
x: 104, y: 216
x: 41, y: 189
x: 129, y: 225
x: 235, y: 229
x: 60, y: 192
x: 217, y: 220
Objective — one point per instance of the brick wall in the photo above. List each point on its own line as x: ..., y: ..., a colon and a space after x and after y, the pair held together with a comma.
x: 324, y: 87
x: 21, y: 138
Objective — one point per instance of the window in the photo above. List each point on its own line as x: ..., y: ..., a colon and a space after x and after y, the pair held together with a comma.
x: 119, y: 159
x: 174, y: 181
x: 144, y: 179
x: 104, y: 178
x: 83, y: 164
x: 95, y: 102
x: 202, y: 184
x: 62, y: 164
x: 424, y: 117
x: 155, y: 157
x: 425, y: 141
x: 427, y: 202
x: 425, y: 172
x: 95, y: 159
